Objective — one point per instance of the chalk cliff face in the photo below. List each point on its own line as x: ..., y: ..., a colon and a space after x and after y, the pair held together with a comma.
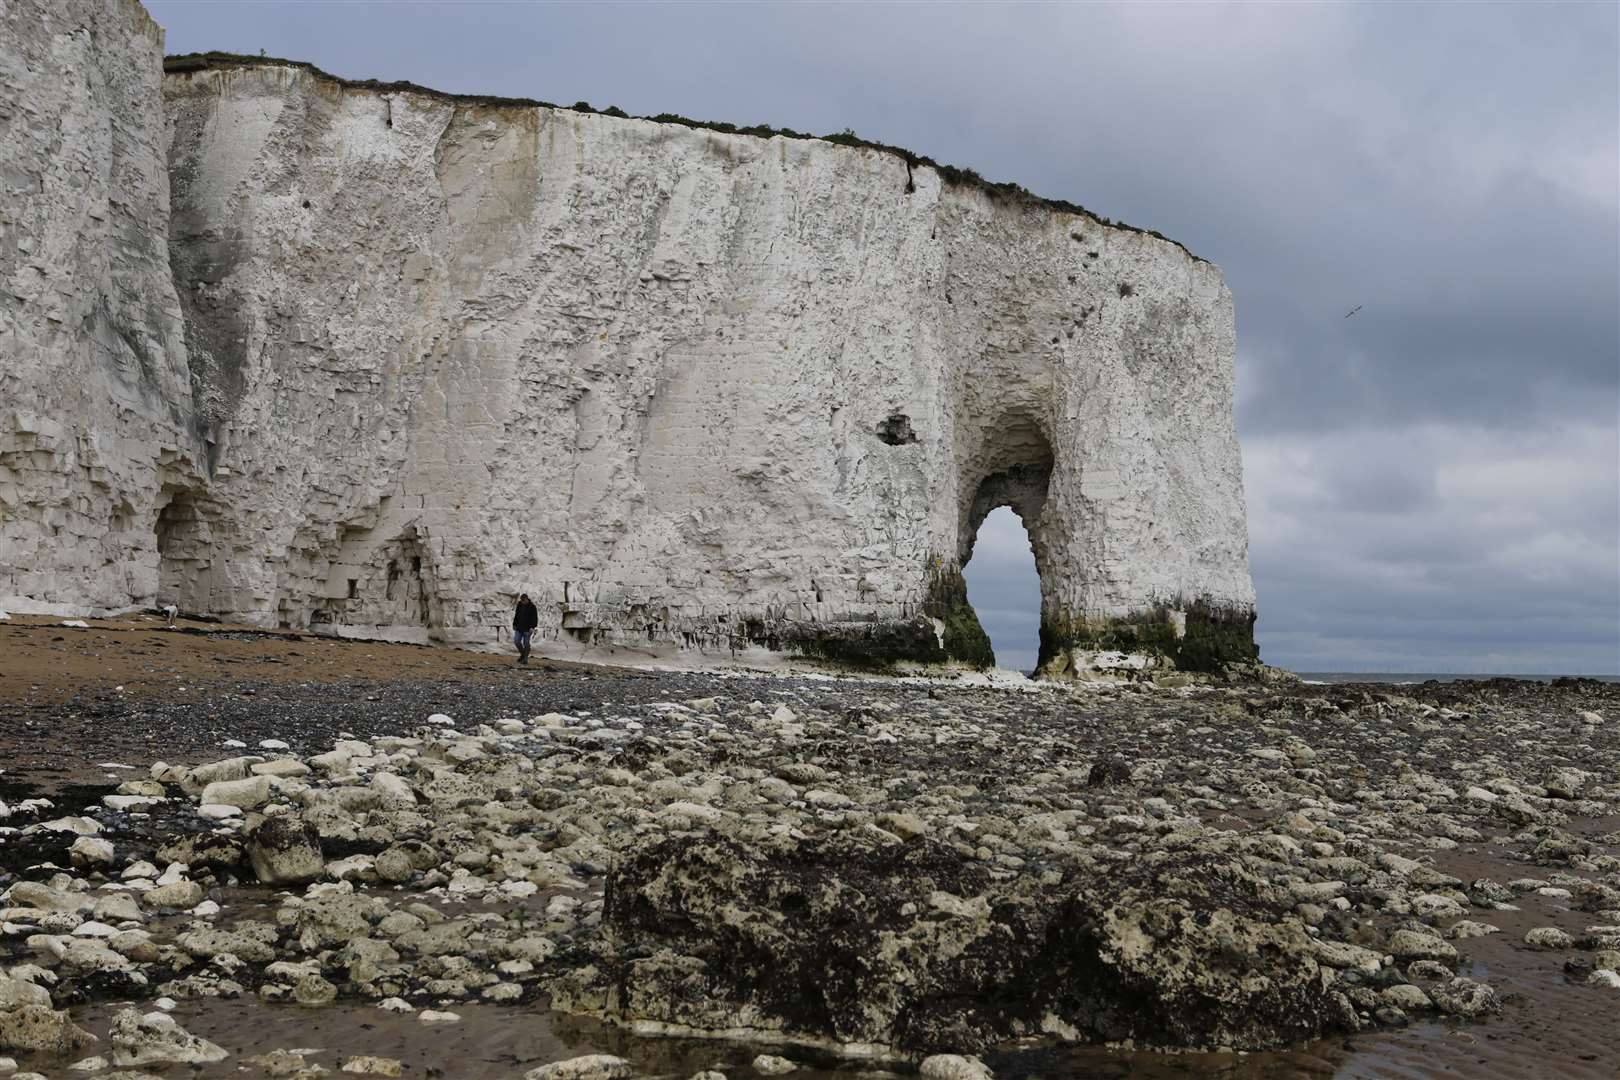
x: 95, y: 392
x: 689, y: 390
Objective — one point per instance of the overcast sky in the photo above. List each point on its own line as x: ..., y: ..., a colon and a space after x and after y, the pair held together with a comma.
x: 1432, y: 484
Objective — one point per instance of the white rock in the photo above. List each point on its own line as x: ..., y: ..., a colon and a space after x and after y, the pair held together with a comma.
x: 125, y: 803
x: 157, y: 1039
x: 92, y: 928
x: 247, y: 794
x: 434, y: 1016
x: 91, y: 851
x: 953, y: 1067
x: 585, y: 1067
x: 83, y: 826
x: 762, y: 464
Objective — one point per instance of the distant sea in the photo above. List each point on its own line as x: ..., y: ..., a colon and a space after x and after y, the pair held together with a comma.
x: 1320, y: 678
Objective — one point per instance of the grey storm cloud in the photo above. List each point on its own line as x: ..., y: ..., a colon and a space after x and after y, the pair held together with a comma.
x: 1432, y: 482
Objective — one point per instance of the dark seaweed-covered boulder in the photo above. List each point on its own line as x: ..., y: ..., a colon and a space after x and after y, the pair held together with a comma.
x: 912, y: 947
x: 285, y: 850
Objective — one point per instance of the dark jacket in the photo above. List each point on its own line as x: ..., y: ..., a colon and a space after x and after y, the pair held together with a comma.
x: 525, y: 617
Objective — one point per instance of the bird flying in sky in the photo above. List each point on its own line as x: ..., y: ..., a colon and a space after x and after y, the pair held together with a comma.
x: 1353, y: 310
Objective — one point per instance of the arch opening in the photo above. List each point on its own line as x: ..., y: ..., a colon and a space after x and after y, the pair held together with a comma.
x: 1005, y: 590
x: 1003, y: 509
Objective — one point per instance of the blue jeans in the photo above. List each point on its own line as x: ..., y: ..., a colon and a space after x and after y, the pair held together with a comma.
x: 520, y: 638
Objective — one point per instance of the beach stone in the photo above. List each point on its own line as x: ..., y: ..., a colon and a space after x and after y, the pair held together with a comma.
x: 35, y: 1026
x: 156, y: 1038
x: 194, y: 781
x: 311, y: 989
x: 1548, y: 937
x: 128, y: 801
x: 906, y: 826
x: 392, y: 790
x: 585, y: 1067
x: 1418, y: 945
x: 772, y: 1065
x: 16, y: 993
x: 210, y: 850
x: 953, y: 1067
x: 290, y: 1064
x: 281, y: 768
x: 34, y: 894
x: 177, y: 894
x: 394, y: 865
x: 367, y: 1065
x: 1406, y: 997
x: 435, y: 1016
x: 1567, y: 783
x: 1464, y: 997
x: 73, y: 823
x: 246, y: 793
x: 207, y: 942
x: 91, y: 851
x: 285, y: 850
x: 1464, y: 929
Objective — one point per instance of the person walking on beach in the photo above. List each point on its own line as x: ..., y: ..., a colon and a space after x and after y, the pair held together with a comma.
x: 524, y: 619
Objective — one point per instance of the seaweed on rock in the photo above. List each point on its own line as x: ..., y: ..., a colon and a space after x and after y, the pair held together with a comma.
x: 913, y: 948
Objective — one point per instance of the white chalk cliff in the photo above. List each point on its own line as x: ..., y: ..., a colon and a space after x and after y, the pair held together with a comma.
x: 373, y: 359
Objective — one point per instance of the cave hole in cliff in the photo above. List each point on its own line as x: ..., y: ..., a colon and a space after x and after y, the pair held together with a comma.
x: 408, y: 593
x: 185, y: 542
x: 1000, y: 550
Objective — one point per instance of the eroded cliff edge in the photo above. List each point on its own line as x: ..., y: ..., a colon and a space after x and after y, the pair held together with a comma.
x: 687, y: 388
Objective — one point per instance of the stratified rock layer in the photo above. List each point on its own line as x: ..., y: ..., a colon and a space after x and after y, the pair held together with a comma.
x: 912, y: 947
x: 686, y: 388
x: 95, y: 391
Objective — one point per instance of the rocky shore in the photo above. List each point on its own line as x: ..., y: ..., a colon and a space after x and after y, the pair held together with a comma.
x: 805, y: 871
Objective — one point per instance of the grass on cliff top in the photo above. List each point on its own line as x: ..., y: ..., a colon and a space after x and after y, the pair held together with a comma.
x: 950, y: 174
